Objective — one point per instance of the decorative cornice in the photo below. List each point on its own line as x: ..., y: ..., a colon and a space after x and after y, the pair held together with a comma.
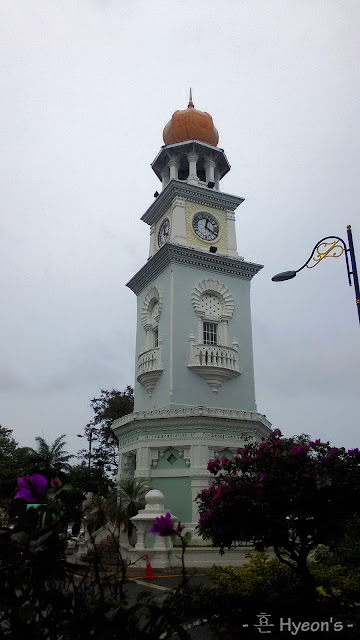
x: 201, y: 195
x: 193, y: 258
x: 193, y: 416
x: 214, y: 437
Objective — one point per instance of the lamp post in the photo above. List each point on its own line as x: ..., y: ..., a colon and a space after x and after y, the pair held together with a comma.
x: 333, y: 249
x: 79, y: 435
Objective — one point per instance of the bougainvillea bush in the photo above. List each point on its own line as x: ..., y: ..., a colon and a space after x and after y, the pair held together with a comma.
x: 43, y: 597
x: 290, y: 494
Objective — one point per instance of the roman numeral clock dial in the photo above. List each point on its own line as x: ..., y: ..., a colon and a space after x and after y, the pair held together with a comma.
x: 163, y: 232
x: 205, y: 226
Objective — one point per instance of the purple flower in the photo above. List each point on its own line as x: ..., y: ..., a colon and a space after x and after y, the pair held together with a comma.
x: 164, y: 526
x: 32, y: 489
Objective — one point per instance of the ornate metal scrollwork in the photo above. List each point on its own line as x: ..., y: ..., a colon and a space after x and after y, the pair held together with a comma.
x: 331, y: 250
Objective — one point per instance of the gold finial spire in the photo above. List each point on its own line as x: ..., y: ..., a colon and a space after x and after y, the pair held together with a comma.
x: 191, y: 104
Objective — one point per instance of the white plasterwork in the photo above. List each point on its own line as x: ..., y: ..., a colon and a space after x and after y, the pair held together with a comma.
x: 186, y: 439
x: 153, y: 295
x: 192, y: 412
x: 219, y: 290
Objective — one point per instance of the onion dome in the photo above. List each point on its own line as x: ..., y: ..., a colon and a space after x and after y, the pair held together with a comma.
x: 191, y: 124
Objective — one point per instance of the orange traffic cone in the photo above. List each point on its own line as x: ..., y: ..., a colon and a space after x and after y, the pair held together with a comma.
x: 149, y: 571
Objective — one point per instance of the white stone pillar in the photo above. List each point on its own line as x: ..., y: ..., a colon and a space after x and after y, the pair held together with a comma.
x: 210, y: 170
x: 192, y: 344
x: 152, y: 248
x: 231, y: 233
x: 143, y: 463
x: 121, y: 467
x: 165, y: 176
x: 193, y: 177
x: 174, y: 169
x: 224, y: 333
x: 217, y: 179
x: 148, y: 333
x: 178, y: 222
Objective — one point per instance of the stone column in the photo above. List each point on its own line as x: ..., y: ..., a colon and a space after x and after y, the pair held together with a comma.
x: 165, y: 176
x: 231, y: 233
x: 178, y: 222
x: 224, y: 333
x: 152, y: 241
x: 174, y: 169
x: 193, y: 177
x: 210, y: 170
x: 143, y: 463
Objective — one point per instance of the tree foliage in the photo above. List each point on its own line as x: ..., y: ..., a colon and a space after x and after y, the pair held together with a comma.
x: 109, y: 406
x: 291, y: 494
x: 42, y: 597
x: 51, y: 457
x: 14, y: 462
x: 93, y: 480
x: 118, y: 506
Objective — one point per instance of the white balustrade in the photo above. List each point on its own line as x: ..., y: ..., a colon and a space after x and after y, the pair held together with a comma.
x: 206, y: 355
x: 149, y: 360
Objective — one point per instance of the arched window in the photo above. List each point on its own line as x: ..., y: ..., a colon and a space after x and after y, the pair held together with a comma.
x: 214, y: 306
x: 150, y: 316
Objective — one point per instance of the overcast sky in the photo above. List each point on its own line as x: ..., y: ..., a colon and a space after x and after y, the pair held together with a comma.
x: 86, y: 89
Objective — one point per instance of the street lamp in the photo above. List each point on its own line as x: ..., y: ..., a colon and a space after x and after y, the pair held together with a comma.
x: 333, y: 249
x: 79, y: 435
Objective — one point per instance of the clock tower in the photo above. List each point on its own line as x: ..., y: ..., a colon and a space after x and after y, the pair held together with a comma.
x: 194, y: 391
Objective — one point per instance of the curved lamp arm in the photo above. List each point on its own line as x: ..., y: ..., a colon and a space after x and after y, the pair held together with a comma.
x: 288, y: 275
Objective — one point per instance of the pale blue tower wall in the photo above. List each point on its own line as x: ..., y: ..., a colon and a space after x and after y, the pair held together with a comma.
x: 177, y: 492
x: 176, y: 283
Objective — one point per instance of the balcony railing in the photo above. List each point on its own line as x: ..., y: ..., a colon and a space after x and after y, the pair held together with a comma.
x: 214, y: 363
x: 149, y: 368
x: 204, y: 355
x: 149, y: 360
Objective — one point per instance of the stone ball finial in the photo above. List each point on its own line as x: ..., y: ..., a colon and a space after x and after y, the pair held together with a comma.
x: 154, y: 498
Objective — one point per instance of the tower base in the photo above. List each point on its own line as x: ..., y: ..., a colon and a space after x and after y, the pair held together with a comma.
x: 170, y: 448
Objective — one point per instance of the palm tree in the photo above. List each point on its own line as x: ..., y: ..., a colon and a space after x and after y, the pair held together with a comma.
x: 117, y: 507
x: 131, y: 492
x: 52, y: 457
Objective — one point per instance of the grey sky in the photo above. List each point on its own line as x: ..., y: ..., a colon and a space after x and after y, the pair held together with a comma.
x: 86, y: 89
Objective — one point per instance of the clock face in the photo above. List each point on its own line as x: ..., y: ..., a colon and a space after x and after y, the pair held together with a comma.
x: 163, y: 232
x: 205, y: 226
